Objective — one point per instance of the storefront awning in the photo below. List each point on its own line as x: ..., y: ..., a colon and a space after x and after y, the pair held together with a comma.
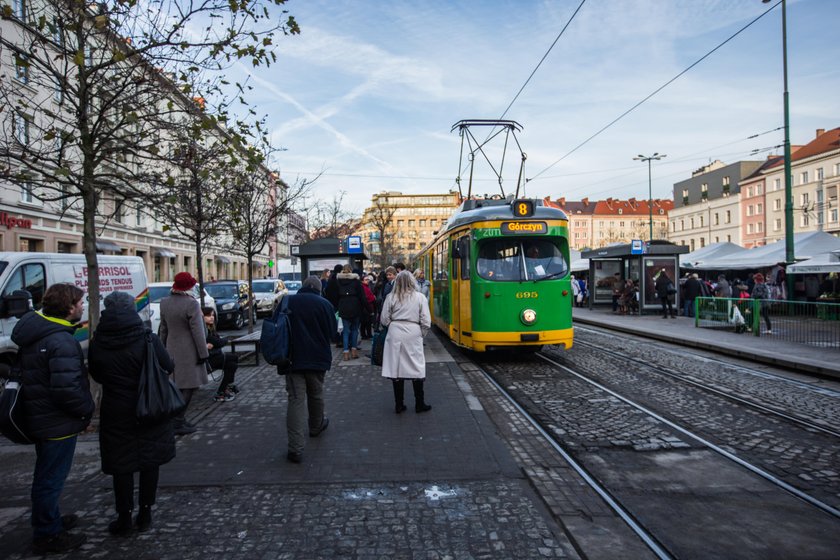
x: 161, y: 252
x: 222, y: 259
x: 102, y: 245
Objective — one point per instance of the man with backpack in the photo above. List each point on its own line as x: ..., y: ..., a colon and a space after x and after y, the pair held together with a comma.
x: 311, y: 327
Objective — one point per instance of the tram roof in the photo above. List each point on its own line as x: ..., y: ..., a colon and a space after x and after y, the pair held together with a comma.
x: 480, y: 210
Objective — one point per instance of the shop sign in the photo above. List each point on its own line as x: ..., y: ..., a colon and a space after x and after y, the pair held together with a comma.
x: 13, y: 222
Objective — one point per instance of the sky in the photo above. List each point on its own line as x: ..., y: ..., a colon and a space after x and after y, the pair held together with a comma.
x: 368, y: 92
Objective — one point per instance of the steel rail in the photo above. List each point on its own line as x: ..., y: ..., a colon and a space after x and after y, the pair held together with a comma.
x: 640, y: 531
x: 720, y: 392
x: 731, y: 456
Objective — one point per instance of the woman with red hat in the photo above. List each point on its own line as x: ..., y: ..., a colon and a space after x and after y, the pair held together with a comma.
x: 182, y: 331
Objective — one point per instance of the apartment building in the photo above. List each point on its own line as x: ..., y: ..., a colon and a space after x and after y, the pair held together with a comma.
x: 594, y: 224
x: 815, y: 171
x: 707, y: 206
x: 33, y: 218
x: 396, y: 226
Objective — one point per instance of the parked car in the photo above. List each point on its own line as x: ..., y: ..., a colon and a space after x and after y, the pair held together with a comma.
x: 231, y: 301
x: 267, y: 295
x: 160, y: 290
x: 292, y: 286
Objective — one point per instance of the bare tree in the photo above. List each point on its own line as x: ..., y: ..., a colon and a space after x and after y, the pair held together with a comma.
x: 104, y: 76
x: 329, y: 218
x: 258, y: 203
x: 381, y: 217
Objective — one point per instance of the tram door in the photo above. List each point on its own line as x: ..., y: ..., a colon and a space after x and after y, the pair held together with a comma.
x: 461, y: 307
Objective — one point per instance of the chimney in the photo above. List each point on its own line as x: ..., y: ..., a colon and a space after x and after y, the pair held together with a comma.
x: 585, y: 201
x: 562, y: 201
x: 632, y: 202
x: 820, y: 132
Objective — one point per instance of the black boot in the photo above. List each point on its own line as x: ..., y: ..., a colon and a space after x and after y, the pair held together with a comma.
x: 144, y: 518
x: 419, y: 396
x: 121, y: 527
x: 399, y: 391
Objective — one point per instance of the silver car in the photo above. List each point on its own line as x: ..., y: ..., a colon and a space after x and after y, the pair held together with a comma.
x: 267, y: 295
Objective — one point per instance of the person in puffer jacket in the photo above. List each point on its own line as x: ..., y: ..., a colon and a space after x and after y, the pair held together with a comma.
x: 57, y: 406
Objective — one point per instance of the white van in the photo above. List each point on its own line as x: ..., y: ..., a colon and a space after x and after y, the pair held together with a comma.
x: 28, y: 275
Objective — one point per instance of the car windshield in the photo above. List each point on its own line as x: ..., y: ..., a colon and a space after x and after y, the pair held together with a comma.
x: 518, y: 260
x: 157, y: 293
x: 261, y: 287
x: 222, y: 291
x: 293, y: 285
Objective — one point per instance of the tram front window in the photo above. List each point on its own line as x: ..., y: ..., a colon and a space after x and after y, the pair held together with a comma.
x: 518, y: 260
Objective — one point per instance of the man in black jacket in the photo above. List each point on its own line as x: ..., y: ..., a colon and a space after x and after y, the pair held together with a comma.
x: 57, y: 404
x: 311, y: 327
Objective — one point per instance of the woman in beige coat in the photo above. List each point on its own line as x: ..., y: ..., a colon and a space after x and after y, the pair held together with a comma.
x: 406, y: 314
x: 182, y: 332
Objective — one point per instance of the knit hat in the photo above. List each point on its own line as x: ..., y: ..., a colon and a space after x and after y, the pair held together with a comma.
x: 184, y: 282
x: 119, y: 300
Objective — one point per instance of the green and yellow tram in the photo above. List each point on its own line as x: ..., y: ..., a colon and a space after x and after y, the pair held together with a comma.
x: 500, y: 275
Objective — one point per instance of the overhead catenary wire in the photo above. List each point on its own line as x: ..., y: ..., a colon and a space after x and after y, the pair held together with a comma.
x: 657, y: 90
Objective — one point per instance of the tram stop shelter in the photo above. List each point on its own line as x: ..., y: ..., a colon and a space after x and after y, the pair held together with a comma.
x: 640, y: 262
x: 320, y: 254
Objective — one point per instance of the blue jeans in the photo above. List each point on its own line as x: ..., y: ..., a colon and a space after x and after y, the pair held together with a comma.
x: 52, y: 465
x: 688, y: 308
x: 305, y: 389
x: 350, y: 333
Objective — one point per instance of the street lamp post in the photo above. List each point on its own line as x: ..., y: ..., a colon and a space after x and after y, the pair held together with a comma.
x: 789, y: 252
x: 648, y: 159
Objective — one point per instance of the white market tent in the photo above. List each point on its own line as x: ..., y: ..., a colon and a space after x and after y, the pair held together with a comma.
x: 820, y: 264
x: 578, y: 264
x: 711, y: 252
x: 805, y: 246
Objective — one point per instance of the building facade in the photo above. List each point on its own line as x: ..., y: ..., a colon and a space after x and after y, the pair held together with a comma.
x: 595, y: 224
x: 396, y: 226
x: 43, y: 220
x: 707, y: 206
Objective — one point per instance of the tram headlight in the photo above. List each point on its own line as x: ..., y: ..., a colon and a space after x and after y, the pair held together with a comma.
x: 528, y: 316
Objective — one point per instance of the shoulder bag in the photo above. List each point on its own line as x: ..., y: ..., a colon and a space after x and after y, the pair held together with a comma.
x: 158, y: 397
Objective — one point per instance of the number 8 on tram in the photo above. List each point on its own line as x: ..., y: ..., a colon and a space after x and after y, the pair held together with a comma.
x: 500, y: 275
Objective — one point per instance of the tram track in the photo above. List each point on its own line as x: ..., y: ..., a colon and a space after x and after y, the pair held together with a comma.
x: 818, y: 424
x: 598, y: 454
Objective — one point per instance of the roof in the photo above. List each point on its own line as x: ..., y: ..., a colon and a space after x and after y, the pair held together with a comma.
x: 805, y: 246
x: 657, y: 247
x: 710, y: 252
x: 825, y: 142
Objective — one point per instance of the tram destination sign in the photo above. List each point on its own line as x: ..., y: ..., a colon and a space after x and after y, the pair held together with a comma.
x: 524, y: 228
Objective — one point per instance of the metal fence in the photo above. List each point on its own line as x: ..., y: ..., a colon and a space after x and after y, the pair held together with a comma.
x: 804, y: 322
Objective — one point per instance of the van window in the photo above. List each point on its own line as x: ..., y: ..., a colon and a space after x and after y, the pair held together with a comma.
x: 30, y: 277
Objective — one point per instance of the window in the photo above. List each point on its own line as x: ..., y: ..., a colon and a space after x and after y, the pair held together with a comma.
x: 20, y: 9
x: 30, y: 277
x: 833, y: 215
x: 691, y: 221
x: 717, y: 239
x: 728, y: 218
x: 819, y: 174
x: 726, y: 181
x: 749, y: 192
x: 138, y: 217
x: 803, y: 198
x: 750, y: 210
x: 777, y: 184
x: 759, y: 189
x: 64, y: 247
x: 516, y: 260
x: 702, y: 242
x: 21, y: 68
x: 749, y: 228
x: 836, y: 169
x: 803, y: 178
x: 717, y: 219
x: 759, y: 227
x: 682, y: 225
x: 685, y: 193
x: 777, y: 204
x: 805, y: 221
x: 777, y: 224
x: 701, y: 221
x: 759, y: 209
x: 621, y: 224
x: 704, y: 191
x: 26, y: 194
x: 22, y: 129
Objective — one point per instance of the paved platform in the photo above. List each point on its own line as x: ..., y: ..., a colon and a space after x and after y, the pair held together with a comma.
x: 375, y: 485
x: 469, y: 479
x: 764, y: 349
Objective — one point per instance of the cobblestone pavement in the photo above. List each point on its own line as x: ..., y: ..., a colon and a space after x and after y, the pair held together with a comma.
x: 439, y: 485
